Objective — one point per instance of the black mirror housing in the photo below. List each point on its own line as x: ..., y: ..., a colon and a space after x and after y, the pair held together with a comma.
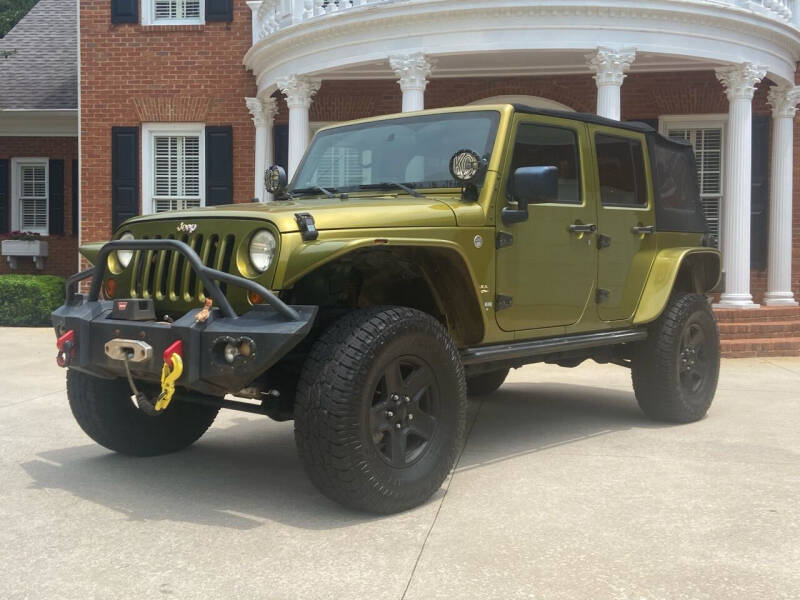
x: 534, y: 185
x: 530, y: 185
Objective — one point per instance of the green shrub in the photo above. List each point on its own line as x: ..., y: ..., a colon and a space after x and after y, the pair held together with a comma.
x: 28, y: 300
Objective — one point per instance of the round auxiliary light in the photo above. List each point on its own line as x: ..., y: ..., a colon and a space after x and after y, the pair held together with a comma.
x: 465, y: 166
x: 275, y: 179
x: 262, y: 250
x: 124, y: 257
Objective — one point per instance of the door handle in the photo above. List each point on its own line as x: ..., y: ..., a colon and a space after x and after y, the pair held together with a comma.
x: 578, y: 227
x: 643, y: 230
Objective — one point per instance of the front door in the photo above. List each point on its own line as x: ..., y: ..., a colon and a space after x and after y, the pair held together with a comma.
x: 626, y: 222
x: 545, y: 270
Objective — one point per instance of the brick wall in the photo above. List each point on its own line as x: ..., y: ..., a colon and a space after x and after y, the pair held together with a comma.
x: 62, y: 249
x: 132, y: 74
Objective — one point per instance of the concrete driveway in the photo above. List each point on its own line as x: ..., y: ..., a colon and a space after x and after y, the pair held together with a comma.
x: 564, y: 490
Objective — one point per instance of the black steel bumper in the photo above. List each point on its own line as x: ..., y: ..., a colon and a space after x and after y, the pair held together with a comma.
x: 271, y: 329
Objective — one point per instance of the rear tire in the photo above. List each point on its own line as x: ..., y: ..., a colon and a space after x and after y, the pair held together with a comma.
x: 380, y: 412
x: 675, y: 370
x: 104, y: 411
x: 486, y: 383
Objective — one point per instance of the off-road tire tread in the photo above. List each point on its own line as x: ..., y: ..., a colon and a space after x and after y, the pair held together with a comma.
x: 104, y: 411
x: 655, y: 359
x: 326, y: 410
x: 486, y: 383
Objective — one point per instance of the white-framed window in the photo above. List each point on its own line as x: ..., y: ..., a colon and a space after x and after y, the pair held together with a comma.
x: 173, y: 166
x: 706, y: 133
x: 30, y: 185
x: 173, y: 12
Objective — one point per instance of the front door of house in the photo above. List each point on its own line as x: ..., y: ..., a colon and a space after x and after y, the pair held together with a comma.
x: 544, y: 268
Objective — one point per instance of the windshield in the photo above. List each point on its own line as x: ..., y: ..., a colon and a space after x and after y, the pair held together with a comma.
x: 414, y: 151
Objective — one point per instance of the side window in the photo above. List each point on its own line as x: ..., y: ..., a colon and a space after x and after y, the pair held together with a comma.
x: 543, y: 146
x: 620, y: 162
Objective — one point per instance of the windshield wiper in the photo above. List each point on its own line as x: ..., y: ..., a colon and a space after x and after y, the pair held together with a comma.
x: 315, y: 188
x: 391, y: 184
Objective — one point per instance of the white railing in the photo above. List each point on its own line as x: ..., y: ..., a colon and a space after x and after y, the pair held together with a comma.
x: 269, y: 16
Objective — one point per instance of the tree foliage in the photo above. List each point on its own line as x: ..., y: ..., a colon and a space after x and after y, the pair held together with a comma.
x: 11, y: 11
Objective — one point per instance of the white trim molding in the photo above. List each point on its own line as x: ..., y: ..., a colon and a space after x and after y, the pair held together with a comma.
x: 688, y: 32
x: 39, y: 123
x: 152, y: 130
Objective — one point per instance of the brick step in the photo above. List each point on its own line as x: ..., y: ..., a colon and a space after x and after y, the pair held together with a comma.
x: 730, y: 330
x: 749, y: 348
x: 765, y: 313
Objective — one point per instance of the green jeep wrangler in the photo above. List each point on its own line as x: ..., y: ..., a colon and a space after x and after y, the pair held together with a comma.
x: 412, y: 261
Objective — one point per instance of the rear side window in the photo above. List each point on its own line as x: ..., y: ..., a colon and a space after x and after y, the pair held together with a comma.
x: 620, y: 163
x: 545, y: 146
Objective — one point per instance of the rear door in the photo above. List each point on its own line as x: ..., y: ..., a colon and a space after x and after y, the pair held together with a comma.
x: 546, y: 271
x: 626, y: 223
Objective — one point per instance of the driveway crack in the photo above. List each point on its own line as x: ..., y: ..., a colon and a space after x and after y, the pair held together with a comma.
x: 441, y: 502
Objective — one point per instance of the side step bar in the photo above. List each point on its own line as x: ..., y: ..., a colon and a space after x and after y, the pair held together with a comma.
x: 522, y: 351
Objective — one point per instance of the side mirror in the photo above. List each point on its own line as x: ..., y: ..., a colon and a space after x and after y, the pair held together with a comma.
x: 275, y: 180
x: 531, y: 185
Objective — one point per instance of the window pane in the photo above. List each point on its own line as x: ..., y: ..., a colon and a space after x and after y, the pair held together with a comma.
x: 176, y: 9
x: 707, y: 143
x: 34, y: 181
x: 544, y: 146
x: 33, y: 213
x: 620, y: 162
x: 176, y: 172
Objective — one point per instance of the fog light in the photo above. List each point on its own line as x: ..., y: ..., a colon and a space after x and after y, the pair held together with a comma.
x: 111, y: 288
x: 246, y: 348
x: 230, y: 352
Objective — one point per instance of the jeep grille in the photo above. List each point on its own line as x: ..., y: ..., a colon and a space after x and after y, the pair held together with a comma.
x: 166, y: 275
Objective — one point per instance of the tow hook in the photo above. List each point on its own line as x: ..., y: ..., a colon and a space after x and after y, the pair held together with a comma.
x: 170, y: 373
x: 66, y: 349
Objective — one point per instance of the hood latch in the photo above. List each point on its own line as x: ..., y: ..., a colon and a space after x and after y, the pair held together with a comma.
x: 308, y: 230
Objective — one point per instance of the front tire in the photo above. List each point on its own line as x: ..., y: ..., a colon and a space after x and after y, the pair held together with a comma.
x: 380, y: 411
x: 106, y: 414
x: 675, y: 370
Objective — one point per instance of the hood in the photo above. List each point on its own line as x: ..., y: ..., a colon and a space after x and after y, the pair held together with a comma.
x: 356, y: 212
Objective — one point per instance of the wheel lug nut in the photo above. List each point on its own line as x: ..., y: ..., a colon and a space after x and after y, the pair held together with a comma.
x: 410, y: 417
x: 389, y: 414
x: 398, y: 426
x: 395, y: 397
x: 407, y: 399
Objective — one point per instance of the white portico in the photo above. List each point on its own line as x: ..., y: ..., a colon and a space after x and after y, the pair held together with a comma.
x: 299, y: 44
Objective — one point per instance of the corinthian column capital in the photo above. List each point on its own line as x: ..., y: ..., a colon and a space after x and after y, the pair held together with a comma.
x: 609, y: 65
x: 262, y: 110
x: 412, y: 70
x: 784, y: 99
x: 740, y: 81
x: 299, y: 90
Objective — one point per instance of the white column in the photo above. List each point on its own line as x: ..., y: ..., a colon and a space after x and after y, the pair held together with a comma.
x: 299, y: 91
x: 263, y: 111
x: 783, y: 99
x: 739, y: 82
x: 412, y: 71
x: 610, y: 67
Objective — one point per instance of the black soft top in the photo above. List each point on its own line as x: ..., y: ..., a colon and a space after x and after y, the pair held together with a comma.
x: 677, y: 194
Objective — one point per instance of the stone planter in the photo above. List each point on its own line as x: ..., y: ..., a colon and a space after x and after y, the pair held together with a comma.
x: 14, y: 249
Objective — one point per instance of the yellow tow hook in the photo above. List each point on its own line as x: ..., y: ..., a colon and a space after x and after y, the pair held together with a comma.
x: 170, y: 373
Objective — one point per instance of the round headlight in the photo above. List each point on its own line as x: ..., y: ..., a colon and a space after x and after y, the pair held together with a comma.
x: 262, y: 250
x: 124, y: 256
x: 465, y: 166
